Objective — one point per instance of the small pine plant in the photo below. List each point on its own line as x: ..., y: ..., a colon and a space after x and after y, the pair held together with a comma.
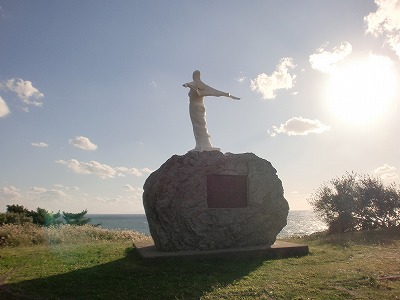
x: 78, y: 219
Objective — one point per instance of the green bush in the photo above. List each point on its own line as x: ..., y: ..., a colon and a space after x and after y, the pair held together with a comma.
x: 357, y: 202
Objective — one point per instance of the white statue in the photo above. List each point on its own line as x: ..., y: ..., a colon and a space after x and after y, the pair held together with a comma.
x: 198, y: 90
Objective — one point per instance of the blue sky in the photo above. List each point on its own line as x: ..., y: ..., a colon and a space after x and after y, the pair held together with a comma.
x: 91, y: 96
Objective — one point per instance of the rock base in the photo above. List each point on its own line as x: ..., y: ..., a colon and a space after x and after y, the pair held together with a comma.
x: 210, y: 200
x: 279, y: 249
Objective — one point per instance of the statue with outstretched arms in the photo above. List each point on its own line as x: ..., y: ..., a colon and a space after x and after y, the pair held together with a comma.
x: 197, y: 110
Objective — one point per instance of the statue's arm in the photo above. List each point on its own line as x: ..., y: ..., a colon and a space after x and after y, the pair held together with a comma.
x: 190, y: 85
x: 233, y: 97
x: 209, y: 91
x: 204, y: 90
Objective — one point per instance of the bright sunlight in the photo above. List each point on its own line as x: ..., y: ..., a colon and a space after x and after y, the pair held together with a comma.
x: 362, y: 92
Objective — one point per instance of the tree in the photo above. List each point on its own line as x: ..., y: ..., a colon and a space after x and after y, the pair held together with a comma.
x: 18, y: 209
x: 378, y: 205
x: 18, y: 214
x: 353, y: 202
x: 45, y: 218
x: 14, y: 218
x: 76, y: 218
x: 15, y: 214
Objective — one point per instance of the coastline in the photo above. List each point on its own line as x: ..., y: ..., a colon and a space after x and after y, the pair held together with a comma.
x: 299, y: 223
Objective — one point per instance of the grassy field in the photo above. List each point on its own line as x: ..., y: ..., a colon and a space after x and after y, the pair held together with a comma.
x: 349, y: 266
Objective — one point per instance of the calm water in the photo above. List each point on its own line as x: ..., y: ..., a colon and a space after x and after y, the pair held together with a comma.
x: 300, y: 222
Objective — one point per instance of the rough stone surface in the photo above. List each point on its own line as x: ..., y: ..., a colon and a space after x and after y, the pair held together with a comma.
x: 175, y: 202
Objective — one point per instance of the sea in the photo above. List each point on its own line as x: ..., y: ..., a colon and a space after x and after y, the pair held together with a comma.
x: 299, y: 222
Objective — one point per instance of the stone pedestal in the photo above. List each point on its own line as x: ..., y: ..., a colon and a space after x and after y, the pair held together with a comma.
x: 210, y: 200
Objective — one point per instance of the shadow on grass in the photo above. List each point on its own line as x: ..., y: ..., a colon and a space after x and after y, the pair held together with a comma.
x: 387, y: 236
x: 133, y: 278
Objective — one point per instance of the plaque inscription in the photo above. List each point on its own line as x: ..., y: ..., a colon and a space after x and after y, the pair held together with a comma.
x: 226, y: 191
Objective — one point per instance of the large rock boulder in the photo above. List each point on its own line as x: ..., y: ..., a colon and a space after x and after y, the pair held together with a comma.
x: 210, y: 200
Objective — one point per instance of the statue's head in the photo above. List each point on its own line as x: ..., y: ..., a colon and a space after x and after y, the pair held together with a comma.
x: 196, y: 75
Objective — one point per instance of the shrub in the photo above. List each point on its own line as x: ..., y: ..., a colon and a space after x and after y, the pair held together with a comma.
x: 21, y: 235
x: 353, y: 202
x: 14, y: 218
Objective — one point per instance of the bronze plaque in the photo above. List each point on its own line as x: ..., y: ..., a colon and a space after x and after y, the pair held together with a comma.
x: 226, y: 191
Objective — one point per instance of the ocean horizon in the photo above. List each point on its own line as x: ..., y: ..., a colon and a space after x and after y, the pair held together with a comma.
x: 299, y: 222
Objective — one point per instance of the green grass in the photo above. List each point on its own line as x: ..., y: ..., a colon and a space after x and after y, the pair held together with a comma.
x: 348, y: 266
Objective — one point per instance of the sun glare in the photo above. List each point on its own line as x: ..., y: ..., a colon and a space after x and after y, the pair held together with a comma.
x: 362, y: 92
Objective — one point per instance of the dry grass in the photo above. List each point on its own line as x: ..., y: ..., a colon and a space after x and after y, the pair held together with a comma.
x: 30, y: 234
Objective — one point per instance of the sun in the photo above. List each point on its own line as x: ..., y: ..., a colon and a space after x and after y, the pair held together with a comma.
x: 363, y: 91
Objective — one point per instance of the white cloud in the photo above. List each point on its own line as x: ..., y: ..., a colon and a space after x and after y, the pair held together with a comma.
x: 146, y: 170
x: 10, y: 192
x: 128, y: 202
x: 101, y: 170
x: 129, y: 188
x: 325, y: 61
x: 37, y: 190
x: 40, y: 145
x: 299, y: 126
x: 386, y: 22
x: 266, y: 85
x: 386, y: 172
x: 4, y: 110
x: 384, y: 169
x: 73, y: 188
x: 57, y: 198
x: 83, y: 143
x: 111, y: 199
x: 122, y: 171
x: 41, y: 193
x: 389, y: 176
x: 92, y: 167
x: 24, y: 90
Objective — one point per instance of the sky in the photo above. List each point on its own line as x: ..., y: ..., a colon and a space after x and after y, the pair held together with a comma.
x: 91, y: 96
